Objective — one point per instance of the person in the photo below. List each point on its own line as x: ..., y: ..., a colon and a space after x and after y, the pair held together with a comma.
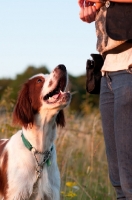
x: 115, y: 97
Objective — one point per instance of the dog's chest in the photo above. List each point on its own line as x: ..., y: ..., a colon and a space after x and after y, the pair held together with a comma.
x: 22, y: 178
x: 24, y: 184
x: 22, y: 175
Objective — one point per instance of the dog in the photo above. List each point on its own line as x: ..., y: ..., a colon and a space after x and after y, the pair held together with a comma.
x: 28, y: 166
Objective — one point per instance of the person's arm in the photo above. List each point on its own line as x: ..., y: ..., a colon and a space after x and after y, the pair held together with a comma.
x: 88, y: 8
x: 87, y: 14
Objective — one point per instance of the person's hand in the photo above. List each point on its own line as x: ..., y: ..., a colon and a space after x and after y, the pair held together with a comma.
x: 88, y: 9
x: 87, y: 14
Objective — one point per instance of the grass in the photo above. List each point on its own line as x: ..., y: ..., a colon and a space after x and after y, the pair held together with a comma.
x: 81, y: 154
x: 82, y: 160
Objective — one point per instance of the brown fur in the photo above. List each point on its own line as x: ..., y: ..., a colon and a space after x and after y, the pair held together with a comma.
x: 3, y: 168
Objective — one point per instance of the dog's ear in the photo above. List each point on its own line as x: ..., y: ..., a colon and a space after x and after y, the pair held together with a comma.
x: 23, y: 112
x: 60, y: 119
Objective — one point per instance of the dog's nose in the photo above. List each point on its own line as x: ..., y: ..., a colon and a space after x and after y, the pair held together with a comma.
x: 62, y: 67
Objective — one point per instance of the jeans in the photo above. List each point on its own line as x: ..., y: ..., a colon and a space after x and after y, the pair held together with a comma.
x: 116, y: 113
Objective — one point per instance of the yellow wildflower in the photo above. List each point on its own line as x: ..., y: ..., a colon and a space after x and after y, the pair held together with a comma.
x: 71, y: 194
x: 70, y: 184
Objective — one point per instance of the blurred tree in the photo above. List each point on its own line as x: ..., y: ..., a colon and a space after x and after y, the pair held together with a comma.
x: 3, y: 85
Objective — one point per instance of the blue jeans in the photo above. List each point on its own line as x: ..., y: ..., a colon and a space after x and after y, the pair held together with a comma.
x: 116, y: 113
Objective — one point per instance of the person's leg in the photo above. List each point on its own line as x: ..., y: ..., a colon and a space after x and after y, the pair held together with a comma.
x: 122, y: 88
x: 107, y: 114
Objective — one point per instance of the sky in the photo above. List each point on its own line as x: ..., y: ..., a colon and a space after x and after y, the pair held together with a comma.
x: 43, y: 33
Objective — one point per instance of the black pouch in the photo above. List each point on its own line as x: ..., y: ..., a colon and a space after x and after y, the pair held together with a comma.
x: 119, y: 21
x: 93, y: 73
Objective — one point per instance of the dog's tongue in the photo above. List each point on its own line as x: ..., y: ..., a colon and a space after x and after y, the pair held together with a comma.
x: 54, y: 98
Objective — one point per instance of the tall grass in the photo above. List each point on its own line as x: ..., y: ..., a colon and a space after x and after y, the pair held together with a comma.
x: 82, y: 160
x: 81, y: 154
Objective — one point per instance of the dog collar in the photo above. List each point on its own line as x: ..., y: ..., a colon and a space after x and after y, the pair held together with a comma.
x: 26, y: 143
x: 46, y: 154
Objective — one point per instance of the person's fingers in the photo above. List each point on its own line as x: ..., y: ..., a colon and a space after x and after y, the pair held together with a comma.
x: 85, y: 3
x: 93, y: 12
x: 81, y: 14
x: 89, y: 14
x: 88, y: 3
x: 86, y: 16
x: 81, y: 3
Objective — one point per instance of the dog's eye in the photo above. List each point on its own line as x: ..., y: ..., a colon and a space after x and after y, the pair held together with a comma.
x: 39, y: 80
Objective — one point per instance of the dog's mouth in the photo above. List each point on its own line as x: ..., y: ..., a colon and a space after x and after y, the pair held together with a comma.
x: 56, y: 94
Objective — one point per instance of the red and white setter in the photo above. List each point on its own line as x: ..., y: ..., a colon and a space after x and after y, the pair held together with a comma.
x: 28, y: 166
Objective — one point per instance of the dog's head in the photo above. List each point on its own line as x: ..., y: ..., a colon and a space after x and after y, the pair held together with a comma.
x: 41, y: 93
